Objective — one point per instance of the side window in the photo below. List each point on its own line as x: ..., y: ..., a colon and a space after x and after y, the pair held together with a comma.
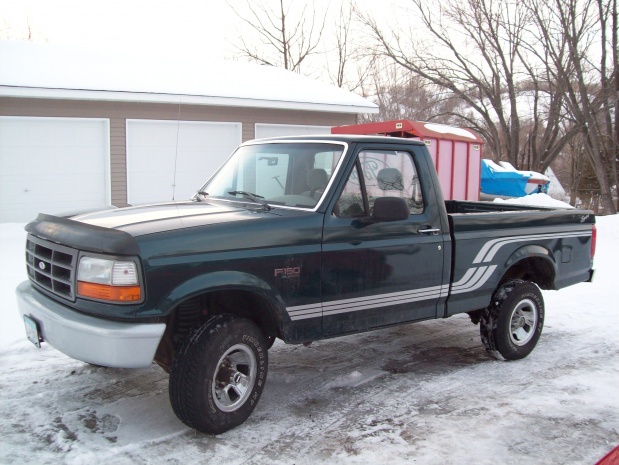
x: 385, y: 174
x: 350, y: 204
x: 391, y: 174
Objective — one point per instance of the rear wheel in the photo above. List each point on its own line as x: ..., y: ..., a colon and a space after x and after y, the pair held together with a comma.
x: 218, y: 374
x: 511, y: 326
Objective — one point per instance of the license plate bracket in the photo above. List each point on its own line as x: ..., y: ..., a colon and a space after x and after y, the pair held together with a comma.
x: 33, y: 332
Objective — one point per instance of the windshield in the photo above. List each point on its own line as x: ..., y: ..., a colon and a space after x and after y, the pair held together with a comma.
x: 293, y: 174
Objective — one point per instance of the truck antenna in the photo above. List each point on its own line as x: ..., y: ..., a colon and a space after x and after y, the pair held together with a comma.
x: 178, y: 124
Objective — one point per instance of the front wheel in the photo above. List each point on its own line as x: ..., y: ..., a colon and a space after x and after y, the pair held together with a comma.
x: 512, y: 324
x: 218, y: 374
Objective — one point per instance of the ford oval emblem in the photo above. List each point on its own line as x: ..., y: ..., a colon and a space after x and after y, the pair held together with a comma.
x: 42, y: 265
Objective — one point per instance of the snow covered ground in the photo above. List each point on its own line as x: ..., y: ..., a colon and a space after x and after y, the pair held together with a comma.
x: 426, y: 393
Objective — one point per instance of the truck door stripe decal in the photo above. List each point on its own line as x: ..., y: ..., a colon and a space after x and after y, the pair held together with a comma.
x: 473, y: 279
x: 472, y: 275
x: 335, y: 307
x: 303, y: 312
x: 482, y: 275
x: 490, y: 248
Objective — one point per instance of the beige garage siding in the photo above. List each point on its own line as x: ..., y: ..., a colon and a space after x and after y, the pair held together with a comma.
x: 118, y: 161
x: 119, y: 112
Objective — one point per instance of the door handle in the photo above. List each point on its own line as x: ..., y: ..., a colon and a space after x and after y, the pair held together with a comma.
x: 430, y: 231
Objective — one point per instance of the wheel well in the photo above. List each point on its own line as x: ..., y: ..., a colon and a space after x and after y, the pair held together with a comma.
x: 535, y: 269
x: 196, y: 310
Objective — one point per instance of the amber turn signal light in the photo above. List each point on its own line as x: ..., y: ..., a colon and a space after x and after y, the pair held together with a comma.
x: 107, y: 292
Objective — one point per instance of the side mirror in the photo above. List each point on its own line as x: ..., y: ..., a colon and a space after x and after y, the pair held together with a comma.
x: 390, y: 209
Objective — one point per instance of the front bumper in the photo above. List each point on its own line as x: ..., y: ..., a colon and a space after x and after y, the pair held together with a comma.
x: 87, y: 338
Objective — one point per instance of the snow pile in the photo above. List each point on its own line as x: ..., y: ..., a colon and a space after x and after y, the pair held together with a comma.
x: 12, y: 272
x: 535, y: 200
x: 355, y: 379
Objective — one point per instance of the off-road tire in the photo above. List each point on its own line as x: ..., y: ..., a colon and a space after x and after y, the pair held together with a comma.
x: 218, y: 374
x: 512, y: 324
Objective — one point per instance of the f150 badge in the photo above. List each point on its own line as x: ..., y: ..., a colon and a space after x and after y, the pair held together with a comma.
x: 287, y: 273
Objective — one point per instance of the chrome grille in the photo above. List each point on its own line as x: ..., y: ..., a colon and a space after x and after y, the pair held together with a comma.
x: 51, y: 266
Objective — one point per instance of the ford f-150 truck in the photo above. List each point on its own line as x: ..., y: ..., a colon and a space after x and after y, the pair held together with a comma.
x: 297, y: 238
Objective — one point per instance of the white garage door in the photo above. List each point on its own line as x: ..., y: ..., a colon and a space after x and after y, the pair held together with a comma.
x: 275, y: 130
x: 171, y: 160
x: 52, y: 165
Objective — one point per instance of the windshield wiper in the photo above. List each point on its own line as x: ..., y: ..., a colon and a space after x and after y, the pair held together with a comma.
x: 253, y: 197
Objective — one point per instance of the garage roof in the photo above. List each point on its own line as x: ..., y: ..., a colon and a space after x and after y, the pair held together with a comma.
x: 34, y: 70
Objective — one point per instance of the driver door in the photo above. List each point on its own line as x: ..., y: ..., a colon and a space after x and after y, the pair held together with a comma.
x: 377, y: 273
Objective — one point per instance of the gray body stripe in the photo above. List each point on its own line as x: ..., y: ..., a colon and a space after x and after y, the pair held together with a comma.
x: 335, y: 307
x: 473, y: 279
x: 490, y: 248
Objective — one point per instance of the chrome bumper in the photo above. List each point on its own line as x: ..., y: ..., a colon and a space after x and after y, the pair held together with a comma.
x: 87, y: 338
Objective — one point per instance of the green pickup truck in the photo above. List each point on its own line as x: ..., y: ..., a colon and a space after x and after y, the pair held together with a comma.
x: 297, y: 238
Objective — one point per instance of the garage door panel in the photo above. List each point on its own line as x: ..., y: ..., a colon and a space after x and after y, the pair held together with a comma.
x: 156, y: 150
x: 33, y: 194
x: 54, y: 161
x: 40, y: 131
x: 150, y: 183
x: 203, y: 164
x: 52, y: 165
x: 151, y: 134
x: 42, y: 185
x: 158, y: 160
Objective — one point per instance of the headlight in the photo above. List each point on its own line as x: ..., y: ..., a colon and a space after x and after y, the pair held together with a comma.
x: 113, y: 280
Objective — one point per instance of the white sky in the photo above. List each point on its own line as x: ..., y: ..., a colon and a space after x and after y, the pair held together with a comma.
x: 195, y: 28
x: 187, y: 29
x: 199, y: 27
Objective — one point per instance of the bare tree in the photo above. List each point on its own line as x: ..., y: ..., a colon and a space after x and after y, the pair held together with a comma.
x: 409, y: 96
x: 446, y: 61
x: 343, y: 45
x: 476, y: 50
x: 569, y: 30
x: 348, y: 65
x: 285, y: 39
x: 7, y: 32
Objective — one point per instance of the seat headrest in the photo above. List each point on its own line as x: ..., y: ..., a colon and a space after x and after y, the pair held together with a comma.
x: 390, y: 179
x: 317, y: 177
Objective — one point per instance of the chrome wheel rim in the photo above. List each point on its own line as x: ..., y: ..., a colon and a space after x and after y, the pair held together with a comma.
x: 234, y: 378
x: 523, y: 322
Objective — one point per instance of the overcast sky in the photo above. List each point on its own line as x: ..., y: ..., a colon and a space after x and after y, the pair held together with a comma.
x: 195, y: 26
x: 204, y: 27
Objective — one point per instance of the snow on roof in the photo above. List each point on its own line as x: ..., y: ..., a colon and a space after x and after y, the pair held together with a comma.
x: 451, y: 130
x: 46, y: 71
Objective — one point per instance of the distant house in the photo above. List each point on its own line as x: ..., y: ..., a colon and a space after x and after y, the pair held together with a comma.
x: 80, y: 130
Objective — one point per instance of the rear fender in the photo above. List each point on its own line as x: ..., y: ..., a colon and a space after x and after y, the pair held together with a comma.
x: 541, y: 266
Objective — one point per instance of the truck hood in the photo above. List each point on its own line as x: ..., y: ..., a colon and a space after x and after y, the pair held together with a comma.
x: 118, y: 231
x: 148, y: 219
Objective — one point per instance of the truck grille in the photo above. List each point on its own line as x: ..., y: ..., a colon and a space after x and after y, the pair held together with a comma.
x: 51, y: 266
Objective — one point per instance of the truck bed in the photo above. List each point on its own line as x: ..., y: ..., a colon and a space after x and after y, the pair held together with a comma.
x: 550, y: 245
